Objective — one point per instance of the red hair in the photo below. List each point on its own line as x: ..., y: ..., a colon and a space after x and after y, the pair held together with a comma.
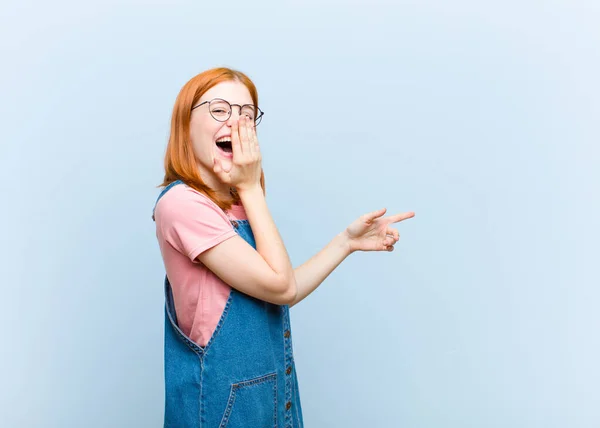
x: 180, y: 161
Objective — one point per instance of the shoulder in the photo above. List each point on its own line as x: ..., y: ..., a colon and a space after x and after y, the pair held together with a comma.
x: 190, y: 222
x: 184, y: 201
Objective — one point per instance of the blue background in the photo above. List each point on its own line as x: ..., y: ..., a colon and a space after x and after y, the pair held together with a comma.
x: 481, y: 117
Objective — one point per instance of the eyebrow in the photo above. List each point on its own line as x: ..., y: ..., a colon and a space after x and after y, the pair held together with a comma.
x: 217, y: 98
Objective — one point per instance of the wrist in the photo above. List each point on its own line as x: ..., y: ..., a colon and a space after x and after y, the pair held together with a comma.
x: 345, y: 243
x: 249, y: 191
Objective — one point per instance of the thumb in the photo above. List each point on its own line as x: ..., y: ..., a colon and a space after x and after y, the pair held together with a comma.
x: 373, y: 215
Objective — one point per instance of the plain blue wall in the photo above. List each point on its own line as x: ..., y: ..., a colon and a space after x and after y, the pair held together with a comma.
x: 482, y: 117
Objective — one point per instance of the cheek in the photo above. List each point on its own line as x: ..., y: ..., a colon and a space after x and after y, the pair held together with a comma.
x: 202, y: 139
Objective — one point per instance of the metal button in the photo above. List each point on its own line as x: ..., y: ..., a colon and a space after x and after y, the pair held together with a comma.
x: 289, y: 370
x: 288, y: 405
x: 286, y: 334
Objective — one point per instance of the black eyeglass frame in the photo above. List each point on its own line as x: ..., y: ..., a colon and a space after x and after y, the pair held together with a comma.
x: 256, y: 121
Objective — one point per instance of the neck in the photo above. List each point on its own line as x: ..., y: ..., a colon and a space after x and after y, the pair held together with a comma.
x: 212, y: 181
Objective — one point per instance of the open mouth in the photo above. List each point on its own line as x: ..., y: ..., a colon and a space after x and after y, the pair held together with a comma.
x: 225, y: 145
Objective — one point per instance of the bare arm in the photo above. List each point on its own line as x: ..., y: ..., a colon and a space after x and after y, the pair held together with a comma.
x: 313, y: 272
x: 268, y: 240
x: 265, y: 273
x: 369, y: 232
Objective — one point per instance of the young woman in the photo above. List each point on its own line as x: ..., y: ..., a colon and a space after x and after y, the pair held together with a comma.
x: 229, y: 281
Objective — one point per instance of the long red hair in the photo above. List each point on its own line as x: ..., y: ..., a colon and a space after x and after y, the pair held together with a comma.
x: 180, y: 161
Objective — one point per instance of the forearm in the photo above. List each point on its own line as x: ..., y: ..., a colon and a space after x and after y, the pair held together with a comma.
x: 268, y: 240
x: 312, y: 273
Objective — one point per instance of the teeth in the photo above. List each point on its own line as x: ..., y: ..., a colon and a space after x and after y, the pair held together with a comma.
x: 223, y: 139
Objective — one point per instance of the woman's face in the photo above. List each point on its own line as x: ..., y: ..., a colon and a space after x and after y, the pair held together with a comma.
x: 205, y: 130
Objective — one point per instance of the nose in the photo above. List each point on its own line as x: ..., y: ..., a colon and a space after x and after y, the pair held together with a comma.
x: 235, y: 115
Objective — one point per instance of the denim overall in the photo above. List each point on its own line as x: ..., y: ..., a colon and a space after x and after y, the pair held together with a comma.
x: 245, y: 376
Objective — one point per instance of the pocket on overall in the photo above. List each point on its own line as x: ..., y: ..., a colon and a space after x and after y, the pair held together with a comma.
x: 252, y: 403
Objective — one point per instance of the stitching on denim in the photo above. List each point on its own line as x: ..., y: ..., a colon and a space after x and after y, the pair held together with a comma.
x: 221, y: 320
x: 200, y: 351
x: 201, y: 397
x: 275, y: 404
x: 296, y: 392
x: 254, y: 381
x: 230, y: 402
x: 193, y: 346
x: 287, y: 344
x: 245, y: 384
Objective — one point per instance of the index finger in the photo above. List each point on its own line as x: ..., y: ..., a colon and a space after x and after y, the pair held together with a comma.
x: 236, y: 145
x: 399, y: 217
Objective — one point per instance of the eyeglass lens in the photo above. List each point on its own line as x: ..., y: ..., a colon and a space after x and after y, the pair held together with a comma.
x: 221, y: 111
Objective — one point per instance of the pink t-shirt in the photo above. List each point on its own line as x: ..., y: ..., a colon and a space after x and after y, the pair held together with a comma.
x: 188, y: 223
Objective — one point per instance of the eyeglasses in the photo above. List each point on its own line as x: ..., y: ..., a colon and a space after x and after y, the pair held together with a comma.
x: 221, y: 110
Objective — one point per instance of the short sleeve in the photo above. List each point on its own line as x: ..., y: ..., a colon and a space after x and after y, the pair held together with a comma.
x: 190, y: 222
